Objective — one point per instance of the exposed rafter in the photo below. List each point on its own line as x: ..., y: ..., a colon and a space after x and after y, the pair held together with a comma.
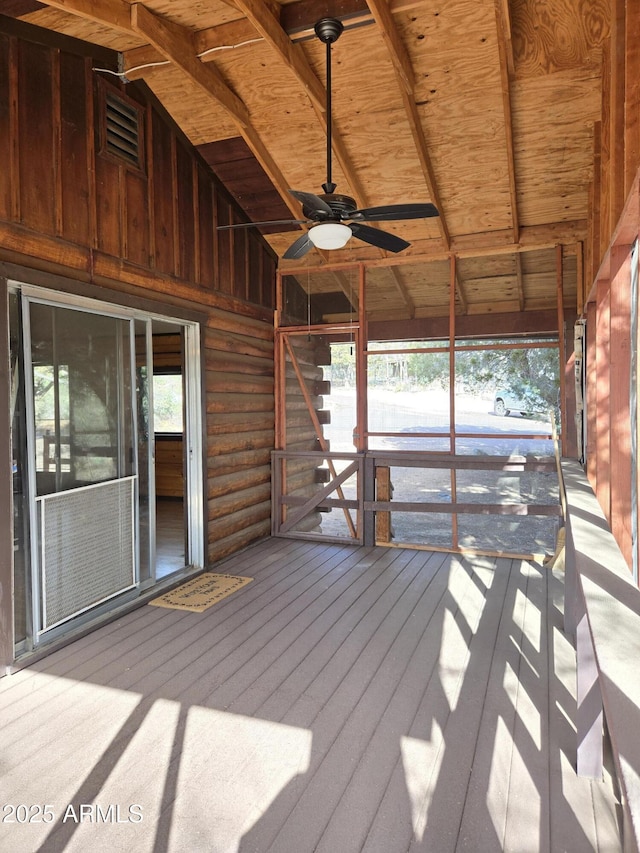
x: 396, y: 277
x: 506, y: 73
x: 404, y: 73
x: 266, y: 23
x: 113, y: 13
x: 177, y: 44
x: 532, y: 238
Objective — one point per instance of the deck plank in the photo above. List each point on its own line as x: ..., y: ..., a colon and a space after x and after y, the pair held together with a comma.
x: 348, y: 699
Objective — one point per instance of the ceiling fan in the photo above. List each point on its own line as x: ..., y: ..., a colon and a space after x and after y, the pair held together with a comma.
x: 329, y: 213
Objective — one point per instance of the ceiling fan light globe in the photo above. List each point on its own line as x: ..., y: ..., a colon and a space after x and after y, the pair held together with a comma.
x: 330, y: 235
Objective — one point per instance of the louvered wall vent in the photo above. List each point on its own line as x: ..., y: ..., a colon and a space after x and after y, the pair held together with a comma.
x: 123, y: 129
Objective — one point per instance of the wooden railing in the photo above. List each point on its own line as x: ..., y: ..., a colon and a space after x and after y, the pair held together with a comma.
x: 602, y: 614
x: 298, y: 491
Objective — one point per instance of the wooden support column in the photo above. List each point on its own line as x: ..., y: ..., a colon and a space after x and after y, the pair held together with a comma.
x: 590, y: 403
x: 561, y: 347
x: 384, y: 492
x: 368, y: 492
x: 452, y: 392
x: 619, y: 401
x: 602, y: 386
x: 362, y: 345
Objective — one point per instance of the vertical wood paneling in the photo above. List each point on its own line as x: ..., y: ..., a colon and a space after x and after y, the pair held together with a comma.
x: 163, y: 215
x: 74, y: 171
x: 253, y: 269
x: 239, y: 271
x: 6, y: 130
x: 206, y: 229
x: 148, y: 141
x: 36, y: 128
x: 186, y: 229
x: 136, y: 218
x: 110, y: 221
x: 224, y: 278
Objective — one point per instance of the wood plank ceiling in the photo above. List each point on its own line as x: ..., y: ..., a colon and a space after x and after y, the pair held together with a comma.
x: 484, y: 107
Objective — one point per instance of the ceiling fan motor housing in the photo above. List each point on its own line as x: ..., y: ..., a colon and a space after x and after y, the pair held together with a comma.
x: 341, y: 205
x: 328, y: 30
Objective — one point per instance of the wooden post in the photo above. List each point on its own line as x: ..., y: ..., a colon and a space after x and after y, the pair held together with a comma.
x: 619, y: 402
x: 561, y: 346
x: 384, y: 492
x: 602, y: 386
x: 368, y: 491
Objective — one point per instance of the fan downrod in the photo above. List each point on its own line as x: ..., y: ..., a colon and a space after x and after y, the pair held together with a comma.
x: 329, y: 30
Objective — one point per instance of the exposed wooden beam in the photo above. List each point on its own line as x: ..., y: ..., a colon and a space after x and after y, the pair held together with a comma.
x: 428, y: 173
x: 293, y: 57
x: 405, y: 76
x: 489, y: 325
x: 177, y: 44
x: 396, y: 277
x: 503, y: 25
x: 346, y: 286
x: 298, y: 18
x: 291, y: 54
x: 233, y: 35
x: 397, y: 51
x: 141, y: 62
x: 532, y: 238
x: 462, y: 298
x: 113, y: 13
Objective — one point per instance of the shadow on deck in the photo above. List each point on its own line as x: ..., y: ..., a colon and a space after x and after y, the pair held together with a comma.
x: 349, y: 699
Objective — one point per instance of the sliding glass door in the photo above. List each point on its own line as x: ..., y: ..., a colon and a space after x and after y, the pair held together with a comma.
x: 84, y: 381
x: 80, y: 405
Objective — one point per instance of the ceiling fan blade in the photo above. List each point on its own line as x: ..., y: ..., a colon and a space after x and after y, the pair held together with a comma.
x: 312, y: 204
x: 259, y: 224
x: 391, y: 212
x: 376, y: 237
x: 299, y: 248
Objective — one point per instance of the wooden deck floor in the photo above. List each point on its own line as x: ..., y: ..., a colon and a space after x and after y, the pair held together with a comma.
x: 349, y: 699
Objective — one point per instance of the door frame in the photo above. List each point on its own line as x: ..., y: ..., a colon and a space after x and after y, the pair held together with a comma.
x: 193, y: 440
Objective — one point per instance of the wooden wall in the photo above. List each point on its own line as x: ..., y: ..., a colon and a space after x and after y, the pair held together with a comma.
x: 614, y: 227
x: 100, y: 213
x: 69, y: 208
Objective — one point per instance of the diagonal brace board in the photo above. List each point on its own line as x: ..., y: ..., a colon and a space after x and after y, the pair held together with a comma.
x: 297, y: 515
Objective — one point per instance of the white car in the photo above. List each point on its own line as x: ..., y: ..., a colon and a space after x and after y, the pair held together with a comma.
x: 505, y: 402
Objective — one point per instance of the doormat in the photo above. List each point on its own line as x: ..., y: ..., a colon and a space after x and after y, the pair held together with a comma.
x: 201, y: 593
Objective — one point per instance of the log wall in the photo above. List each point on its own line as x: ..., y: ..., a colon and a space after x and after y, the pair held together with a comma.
x: 238, y: 355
